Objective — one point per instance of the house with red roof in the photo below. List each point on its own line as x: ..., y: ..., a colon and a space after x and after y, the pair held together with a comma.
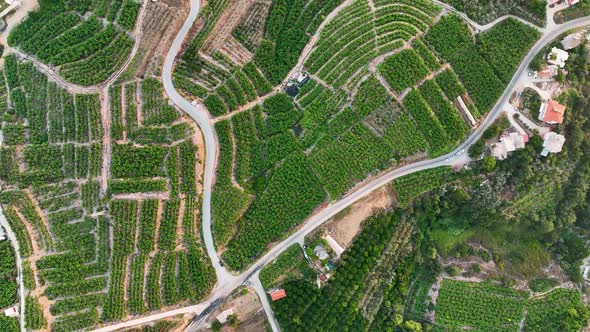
x: 277, y: 294
x: 551, y: 112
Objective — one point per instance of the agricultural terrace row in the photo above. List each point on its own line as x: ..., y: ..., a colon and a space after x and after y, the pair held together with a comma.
x: 483, y: 306
x: 85, y: 41
x: 265, y: 45
x: 335, y: 140
x: 359, y: 34
x: 52, y: 156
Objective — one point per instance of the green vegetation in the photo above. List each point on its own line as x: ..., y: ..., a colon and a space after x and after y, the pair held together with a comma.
x: 505, y: 45
x: 370, y: 96
x: 479, y: 305
x: 403, y: 70
x: 560, y: 310
x: 58, y: 193
x: 356, y: 36
x: 485, y: 12
x: 411, y: 186
x: 86, y: 51
x: 370, y: 288
x: 8, y: 285
x: 34, y: 319
x: 427, y: 122
x: 542, y: 284
x: 488, y: 307
x: 452, y: 40
x: 291, y: 264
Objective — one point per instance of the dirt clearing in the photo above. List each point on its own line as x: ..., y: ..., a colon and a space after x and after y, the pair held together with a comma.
x: 247, y: 306
x: 345, y: 226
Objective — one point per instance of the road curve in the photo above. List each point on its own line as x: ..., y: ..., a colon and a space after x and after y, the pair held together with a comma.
x: 484, y: 27
x: 203, y: 119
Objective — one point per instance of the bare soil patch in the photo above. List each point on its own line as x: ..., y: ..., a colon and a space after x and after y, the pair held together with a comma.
x: 347, y: 224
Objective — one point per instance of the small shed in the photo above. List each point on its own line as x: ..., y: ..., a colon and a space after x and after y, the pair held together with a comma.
x: 278, y: 294
x: 321, y: 252
x: 11, y: 312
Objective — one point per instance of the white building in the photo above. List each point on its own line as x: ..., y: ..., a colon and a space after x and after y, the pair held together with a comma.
x: 466, y: 111
x: 552, y: 143
x: 557, y: 57
x: 508, y: 143
x: 321, y: 252
x: 336, y: 247
x: 11, y: 312
x: 2, y: 234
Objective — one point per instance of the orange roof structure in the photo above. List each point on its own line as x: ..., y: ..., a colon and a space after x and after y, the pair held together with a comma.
x: 552, y: 112
x: 278, y: 294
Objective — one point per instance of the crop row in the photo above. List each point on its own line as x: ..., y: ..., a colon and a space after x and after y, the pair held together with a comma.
x: 427, y: 122
x: 349, y: 159
x: 287, y: 33
x: 466, y: 304
x: 155, y: 108
x: 227, y: 201
x: 101, y: 65
x: 290, y: 195
x: 238, y: 90
x: 444, y: 110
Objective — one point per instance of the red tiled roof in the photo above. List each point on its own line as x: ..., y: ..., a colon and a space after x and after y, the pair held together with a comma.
x: 554, y: 112
x: 278, y: 294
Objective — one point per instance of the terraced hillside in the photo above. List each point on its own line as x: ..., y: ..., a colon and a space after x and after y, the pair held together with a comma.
x: 106, y: 212
x: 381, y: 90
x: 84, y: 41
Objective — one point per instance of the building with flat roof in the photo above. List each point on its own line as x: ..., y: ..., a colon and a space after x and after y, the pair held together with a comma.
x: 508, y: 143
x: 11, y: 312
x: 552, y: 143
x: 558, y: 57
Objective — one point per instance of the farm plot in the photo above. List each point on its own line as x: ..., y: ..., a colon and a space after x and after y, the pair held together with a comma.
x: 83, y: 50
x: 64, y: 218
x: 484, y: 67
x: 411, y: 186
x: 357, y: 35
x: 481, y: 306
x: 54, y: 194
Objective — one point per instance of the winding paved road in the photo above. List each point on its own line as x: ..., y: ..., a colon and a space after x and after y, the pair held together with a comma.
x: 203, y: 119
